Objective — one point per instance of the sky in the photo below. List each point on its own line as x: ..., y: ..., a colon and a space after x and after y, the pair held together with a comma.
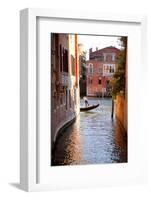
x: 90, y: 41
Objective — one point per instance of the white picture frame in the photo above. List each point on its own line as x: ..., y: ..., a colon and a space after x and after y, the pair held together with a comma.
x: 29, y: 142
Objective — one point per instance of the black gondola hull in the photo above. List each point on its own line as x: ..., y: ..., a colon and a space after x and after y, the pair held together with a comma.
x: 89, y: 108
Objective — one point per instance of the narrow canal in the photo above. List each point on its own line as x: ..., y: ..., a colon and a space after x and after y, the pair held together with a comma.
x: 94, y: 138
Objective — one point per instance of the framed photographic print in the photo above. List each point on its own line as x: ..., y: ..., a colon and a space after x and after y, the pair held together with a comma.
x: 81, y: 79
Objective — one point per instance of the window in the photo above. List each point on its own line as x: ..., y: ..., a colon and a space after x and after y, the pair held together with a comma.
x: 99, y: 81
x: 101, y: 58
x: 65, y: 60
x: 100, y: 70
x: 91, y: 68
x: 113, y: 57
x: 110, y: 69
x: 108, y: 57
x: 107, y: 69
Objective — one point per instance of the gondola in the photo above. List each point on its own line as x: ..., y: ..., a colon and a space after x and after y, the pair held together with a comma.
x: 89, y: 108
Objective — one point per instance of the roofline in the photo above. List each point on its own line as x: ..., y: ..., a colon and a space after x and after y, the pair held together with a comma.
x: 106, y: 48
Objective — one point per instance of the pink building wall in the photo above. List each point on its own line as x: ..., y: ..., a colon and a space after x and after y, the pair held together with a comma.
x: 103, y: 66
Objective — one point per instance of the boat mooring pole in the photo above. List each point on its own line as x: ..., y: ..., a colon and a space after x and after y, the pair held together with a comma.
x: 112, y: 114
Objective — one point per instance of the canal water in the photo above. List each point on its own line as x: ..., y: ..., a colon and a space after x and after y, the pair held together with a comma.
x: 94, y: 138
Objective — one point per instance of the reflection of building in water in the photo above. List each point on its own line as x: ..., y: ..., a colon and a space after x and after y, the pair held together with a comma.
x: 64, y: 81
x: 101, y: 66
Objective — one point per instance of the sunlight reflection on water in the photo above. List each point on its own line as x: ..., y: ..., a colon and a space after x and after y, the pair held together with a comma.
x: 92, y: 139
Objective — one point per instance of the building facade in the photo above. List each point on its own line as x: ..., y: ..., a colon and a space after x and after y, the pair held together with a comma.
x: 101, y: 66
x: 64, y: 81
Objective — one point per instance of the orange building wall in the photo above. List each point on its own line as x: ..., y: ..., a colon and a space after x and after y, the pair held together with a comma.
x: 121, y: 110
x: 122, y: 103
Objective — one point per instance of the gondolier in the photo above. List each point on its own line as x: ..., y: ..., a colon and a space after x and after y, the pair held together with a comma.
x: 86, y: 101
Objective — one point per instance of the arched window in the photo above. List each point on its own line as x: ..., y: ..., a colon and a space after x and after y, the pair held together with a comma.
x: 99, y: 81
x: 110, y: 69
x: 90, y: 80
x: 91, y: 68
